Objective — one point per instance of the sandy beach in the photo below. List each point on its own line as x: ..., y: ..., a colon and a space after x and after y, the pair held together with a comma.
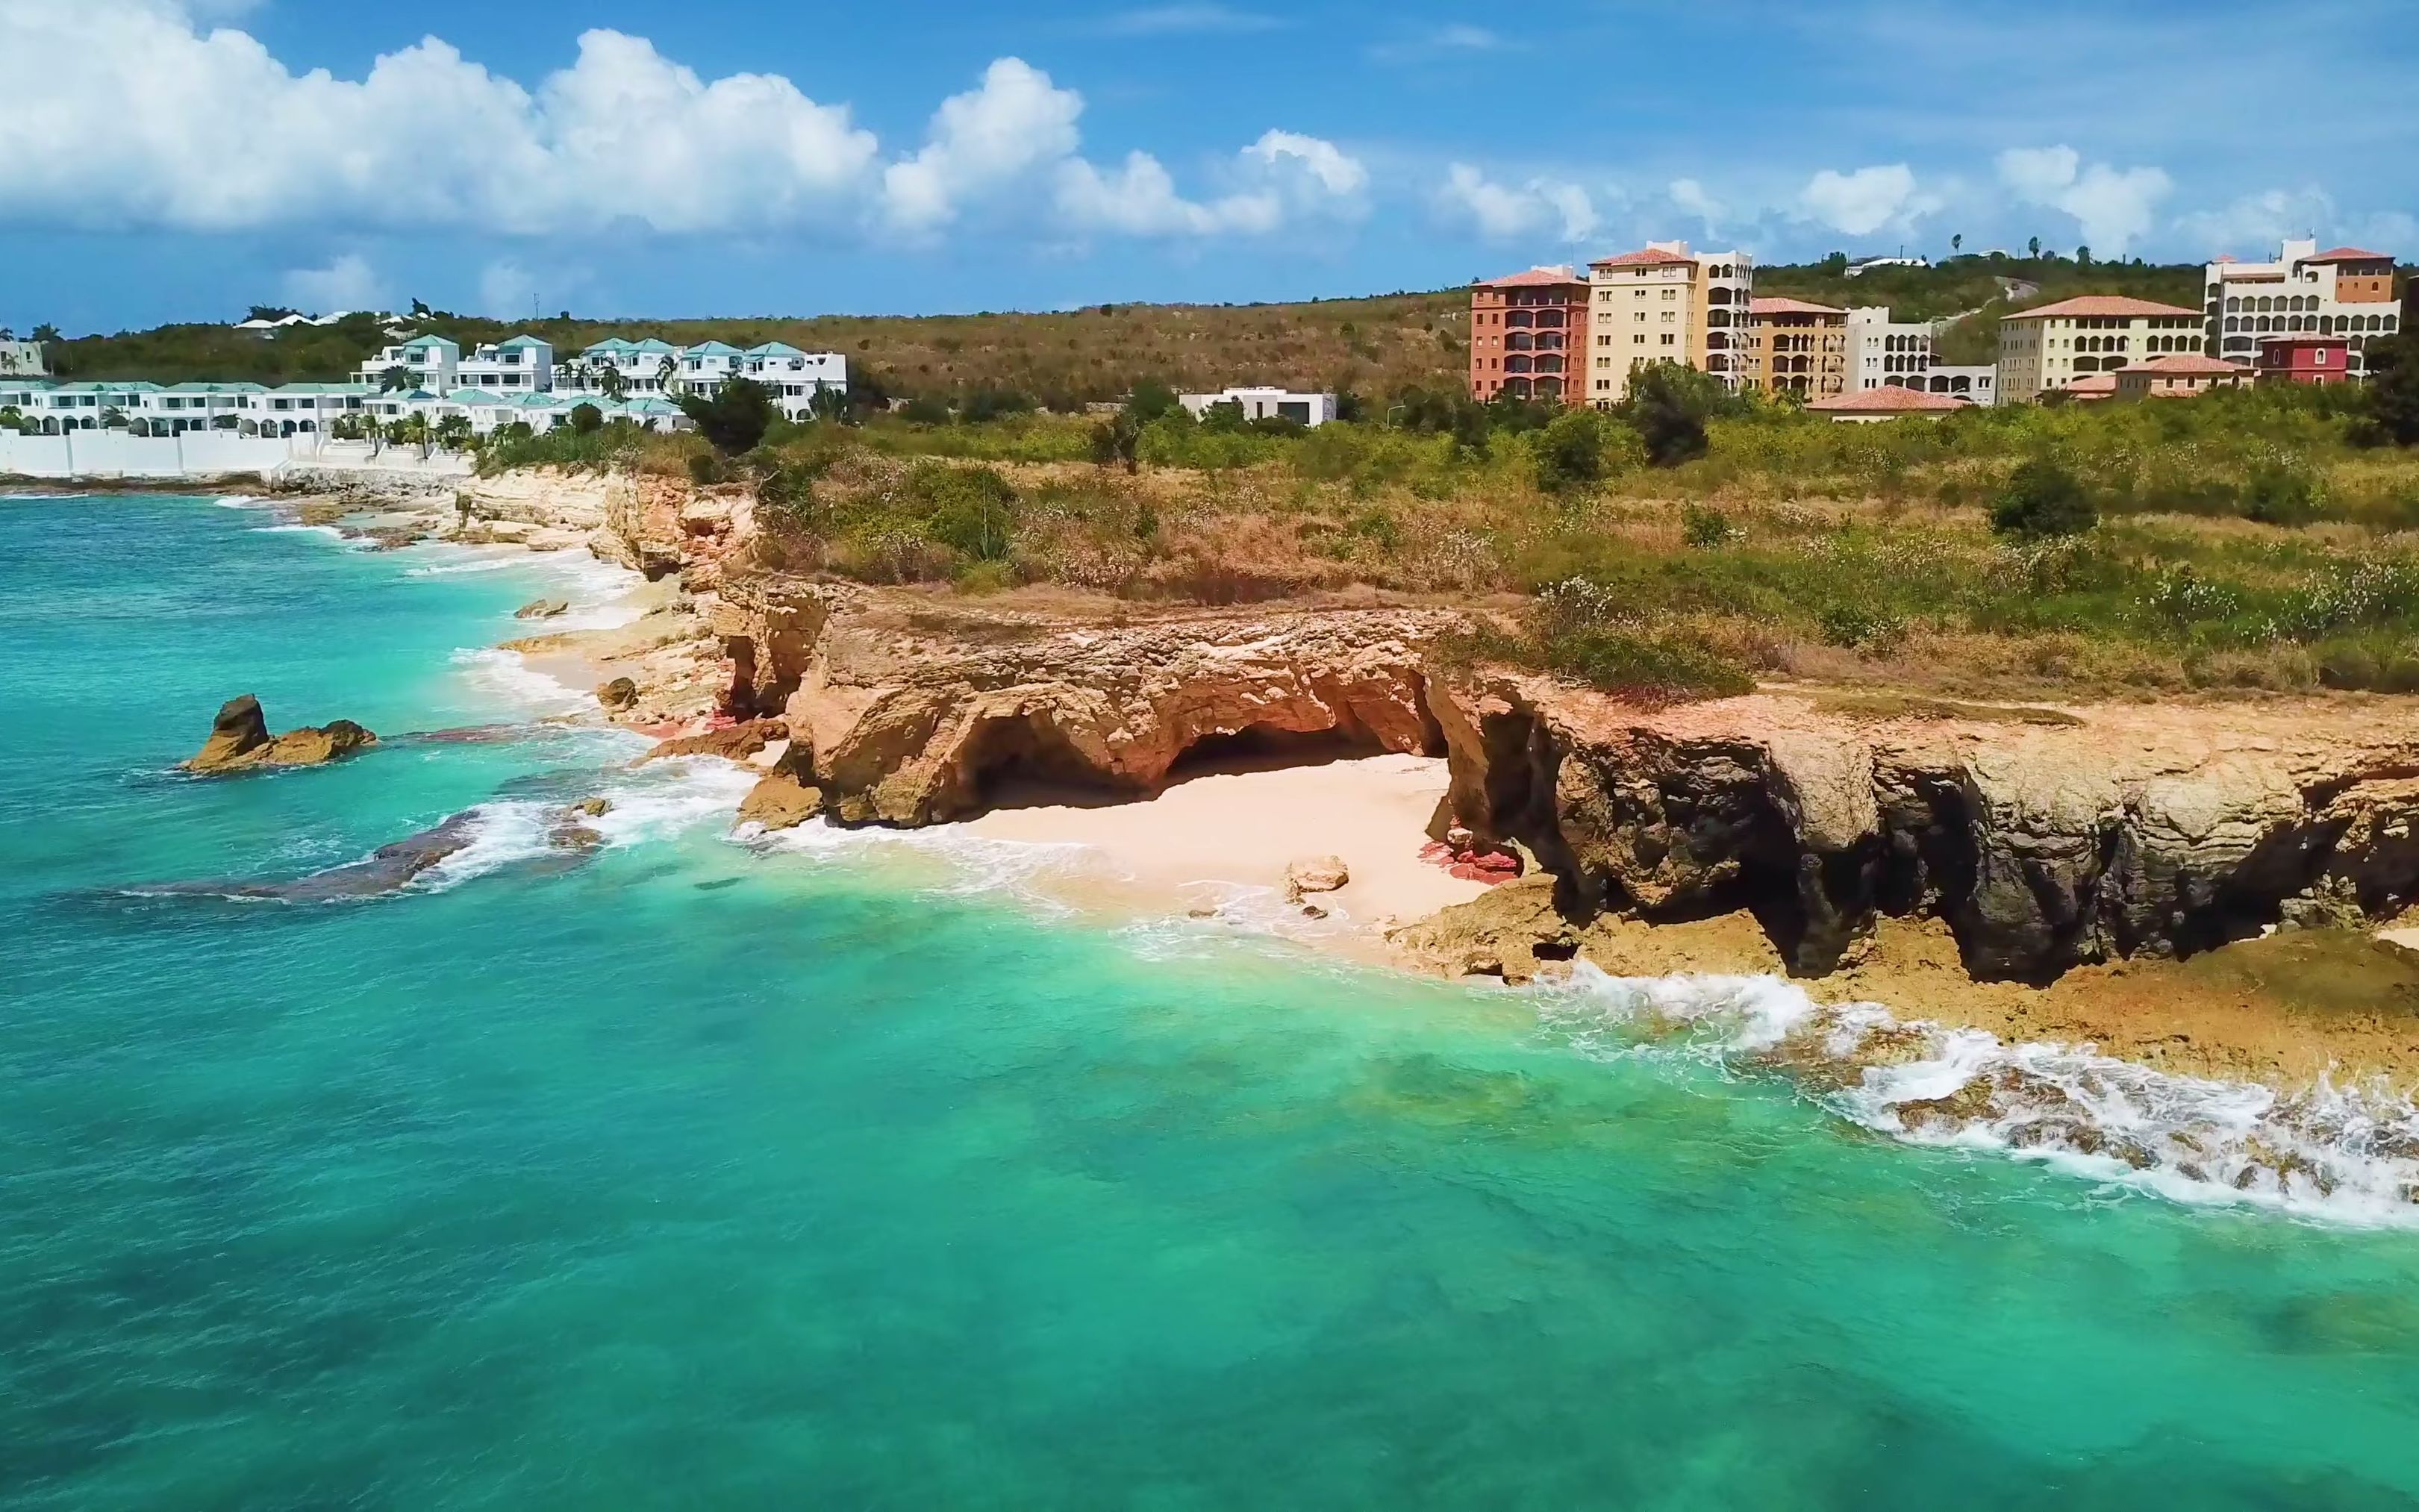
x: 1227, y: 839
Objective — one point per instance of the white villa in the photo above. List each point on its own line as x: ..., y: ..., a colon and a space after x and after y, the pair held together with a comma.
x: 20, y: 359
x: 433, y: 363
x: 1265, y: 404
x: 516, y: 380
x: 652, y: 367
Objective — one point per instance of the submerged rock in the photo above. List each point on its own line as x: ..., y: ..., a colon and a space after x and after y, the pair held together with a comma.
x: 383, y: 870
x: 241, y: 742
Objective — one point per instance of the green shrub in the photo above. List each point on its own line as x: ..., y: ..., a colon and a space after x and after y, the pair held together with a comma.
x: 2042, y: 499
x: 1862, y: 626
x: 972, y: 511
x: 1704, y: 527
x: 2279, y: 495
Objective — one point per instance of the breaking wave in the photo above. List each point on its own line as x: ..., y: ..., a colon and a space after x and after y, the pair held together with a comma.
x: 2343, y: 1154
x: 658, y: 801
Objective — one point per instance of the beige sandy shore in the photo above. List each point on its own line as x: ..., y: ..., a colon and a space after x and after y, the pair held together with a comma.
x: 1227, y: 838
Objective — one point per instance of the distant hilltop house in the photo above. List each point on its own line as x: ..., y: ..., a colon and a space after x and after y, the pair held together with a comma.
x: 1265, y: 404
x: 1856, y: 269
x: 271, y: 325
x: 22, y: 359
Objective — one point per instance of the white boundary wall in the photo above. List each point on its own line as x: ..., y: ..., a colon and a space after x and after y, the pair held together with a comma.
x: 108, y: 453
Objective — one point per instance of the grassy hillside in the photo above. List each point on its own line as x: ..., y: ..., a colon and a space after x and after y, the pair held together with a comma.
x: 1064, y: 360
x: 1964, y: 283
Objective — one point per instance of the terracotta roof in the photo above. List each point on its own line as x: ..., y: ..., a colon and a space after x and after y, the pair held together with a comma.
x: 2305, y: 337
x: 1781, y: 306
x: 1644, y: 258
x: 1889, y: 399
x: 1532, y: 278
x: 2099, y: 304
x: 2351, y: 255
x: 2187, y: 364
x: 2090, y: 384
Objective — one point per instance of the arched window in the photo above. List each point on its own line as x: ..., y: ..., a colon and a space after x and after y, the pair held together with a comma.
x: 1549, y: 365
x: 1517, y: 364
x: 1520, y: 341
x: 2234, y: 302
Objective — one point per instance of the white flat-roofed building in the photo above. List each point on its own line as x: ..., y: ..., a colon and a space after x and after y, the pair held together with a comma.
x: 522, y: 365
x: 644, y: 366
x: 22, y: 359
x: 2343, y: 291
x: 1978, y: 382
x: 1885, y: 351
x: 182, y: 407
x: 431, y: 360
x: 1265, y: 404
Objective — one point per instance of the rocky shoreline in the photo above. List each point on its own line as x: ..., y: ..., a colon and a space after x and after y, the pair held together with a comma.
x: 2088, y: 869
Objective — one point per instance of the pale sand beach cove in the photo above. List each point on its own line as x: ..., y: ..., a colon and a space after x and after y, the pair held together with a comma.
x: 1228, y: 838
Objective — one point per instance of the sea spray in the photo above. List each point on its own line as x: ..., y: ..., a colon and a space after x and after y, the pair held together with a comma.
x: 2348, y: 1154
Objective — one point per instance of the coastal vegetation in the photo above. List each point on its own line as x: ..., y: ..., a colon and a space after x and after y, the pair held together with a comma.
x: 1687, y: 544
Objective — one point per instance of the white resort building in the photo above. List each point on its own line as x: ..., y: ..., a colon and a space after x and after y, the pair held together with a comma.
x: 2342, y: 292
x: 516, y: 380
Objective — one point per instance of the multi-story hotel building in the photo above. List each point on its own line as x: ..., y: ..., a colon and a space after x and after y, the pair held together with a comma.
x: 1664, y: 304
x: 1525, y: 329
x: 2341, y: 292
x: 1796, y: 346
x: 1885, y: 351
x: 2050, y: 346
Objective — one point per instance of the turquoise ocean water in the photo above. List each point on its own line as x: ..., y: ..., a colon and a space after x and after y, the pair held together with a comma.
x: 835, y: 1175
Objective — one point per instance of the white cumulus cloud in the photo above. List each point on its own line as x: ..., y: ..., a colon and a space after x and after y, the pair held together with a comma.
x: 1506, y: 212
x: 982, y: 141
x: 1866, y: 200
x: 140, y: 114
x: 347, y: 283
x: 2115, y: 207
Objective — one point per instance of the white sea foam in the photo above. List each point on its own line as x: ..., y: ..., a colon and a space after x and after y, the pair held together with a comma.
x: 509, y: 675
x: 481, y: 563
x: 328, y: 531
x: 658, y: 801
x: 2343, y: 1154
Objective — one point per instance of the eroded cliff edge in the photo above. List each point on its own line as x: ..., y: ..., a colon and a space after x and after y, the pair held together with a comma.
x: 2042, y: 838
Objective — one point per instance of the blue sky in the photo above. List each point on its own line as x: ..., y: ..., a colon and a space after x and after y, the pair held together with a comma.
x: 181, y: 158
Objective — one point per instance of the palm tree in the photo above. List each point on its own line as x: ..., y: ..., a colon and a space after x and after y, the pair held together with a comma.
x: 397, y: 379
x: 668, y: 377
x: 610, y: 382
x: 417, y: 432
x: 454, y: 432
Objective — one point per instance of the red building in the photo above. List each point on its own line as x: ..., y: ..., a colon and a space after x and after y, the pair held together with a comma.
x: 2305, y: 359
x: 1525, y: 331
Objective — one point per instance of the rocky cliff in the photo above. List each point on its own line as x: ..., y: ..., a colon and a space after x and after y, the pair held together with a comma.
x: 659, y: 526
x: 911, y: 710
x: 2045, y: 838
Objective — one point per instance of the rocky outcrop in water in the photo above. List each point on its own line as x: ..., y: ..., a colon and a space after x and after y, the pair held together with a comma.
x: 2045, y: 838
x: 240, y: 741
x: 917, y: 711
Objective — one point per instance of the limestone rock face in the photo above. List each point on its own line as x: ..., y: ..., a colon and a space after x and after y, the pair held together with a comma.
x: 781, y: 801
x: 1317, y: 874
x: 734, y: 742
x: 540, y: 609
x: 1510, y: 931
x: 914, y: 710
x: 240, y: 741
x: 2045, y: 838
